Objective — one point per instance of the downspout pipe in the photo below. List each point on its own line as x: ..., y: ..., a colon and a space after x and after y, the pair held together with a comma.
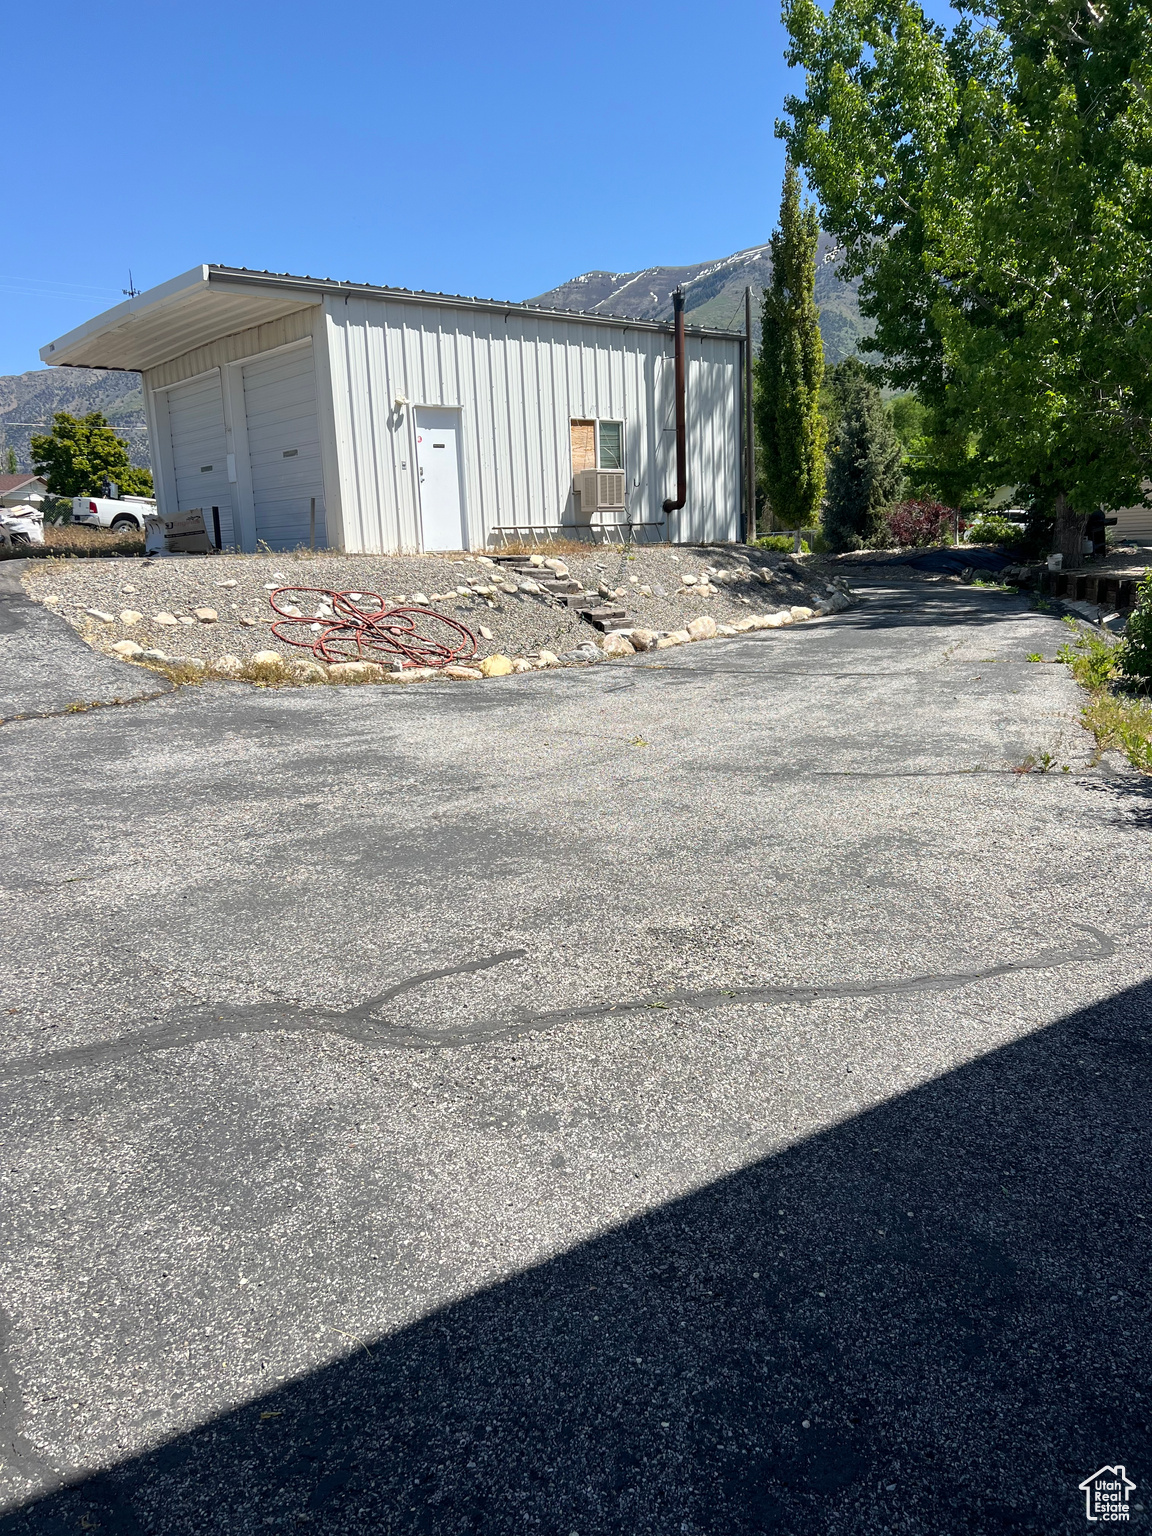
x: 681, y: 415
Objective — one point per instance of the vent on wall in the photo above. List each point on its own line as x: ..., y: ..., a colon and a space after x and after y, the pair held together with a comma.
x: 290, y: 453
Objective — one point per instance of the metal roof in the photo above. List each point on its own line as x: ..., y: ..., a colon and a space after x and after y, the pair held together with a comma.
x: 209, y: 302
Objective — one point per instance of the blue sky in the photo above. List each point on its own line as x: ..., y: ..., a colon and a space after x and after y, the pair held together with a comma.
x: 492, y: 150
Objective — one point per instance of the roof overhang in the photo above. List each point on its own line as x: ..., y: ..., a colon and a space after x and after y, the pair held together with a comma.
x: 210, y: 302
x: 188, y: 311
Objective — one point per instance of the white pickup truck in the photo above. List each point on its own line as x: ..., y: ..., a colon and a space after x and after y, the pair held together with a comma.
x: 119, y: 515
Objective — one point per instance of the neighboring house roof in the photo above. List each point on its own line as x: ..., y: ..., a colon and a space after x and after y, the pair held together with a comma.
x: 10, y: 483
x: 209, y: 302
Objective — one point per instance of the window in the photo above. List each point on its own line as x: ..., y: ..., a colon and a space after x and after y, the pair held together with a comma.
x: 611, y: 445
x: 597, y: 445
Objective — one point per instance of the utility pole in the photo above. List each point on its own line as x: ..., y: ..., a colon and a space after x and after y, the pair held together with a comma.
x: 750, y: 427
x: 131, y: 289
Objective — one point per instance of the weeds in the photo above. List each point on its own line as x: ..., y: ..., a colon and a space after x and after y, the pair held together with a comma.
x: 1034, y: 656
x: 1042, y: 762
x: 1118, y: 720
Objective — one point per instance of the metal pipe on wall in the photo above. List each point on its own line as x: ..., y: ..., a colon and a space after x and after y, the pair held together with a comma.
x: 681, y: 414
x: 749, y: 427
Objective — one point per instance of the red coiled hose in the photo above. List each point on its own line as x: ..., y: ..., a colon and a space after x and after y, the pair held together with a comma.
x: 390, y: 636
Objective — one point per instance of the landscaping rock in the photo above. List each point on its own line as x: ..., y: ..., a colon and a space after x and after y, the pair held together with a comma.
x: 268, y: 659
x: 643, y: 639
x: 496, y: 666
x: 800, y: 613
x: 519, y: 664
x: 99, y: 614
x: 130, y: 616
x: 351, y: 671
x: 165, y: 618
x: 464, y: 674
x: 127, y: 648
x: 153, y: 655
x: 702, y: 628
x: 307, y: 670
x: 228, y: 665
x: 549, y: 659
x: 618, y: 645
x: 205, y: 615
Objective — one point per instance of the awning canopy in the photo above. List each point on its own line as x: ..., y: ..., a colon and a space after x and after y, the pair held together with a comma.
x: 189, y: 311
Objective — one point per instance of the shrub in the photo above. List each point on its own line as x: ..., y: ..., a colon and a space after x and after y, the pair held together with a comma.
x: 915, y: 524
x: 782, y: 543
x: 991, y: 529
x: 1136, y: 646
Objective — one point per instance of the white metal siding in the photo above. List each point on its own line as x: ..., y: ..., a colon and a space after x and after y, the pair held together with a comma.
x: 518, y: 380
x: 199, y: 452
x: 230, y: 349
x: 284, y: 447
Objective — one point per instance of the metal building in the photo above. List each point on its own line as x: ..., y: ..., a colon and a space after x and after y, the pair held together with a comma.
x: 416, y: 421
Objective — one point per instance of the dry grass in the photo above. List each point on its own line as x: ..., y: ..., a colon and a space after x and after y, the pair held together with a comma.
x: 77, y: 541
x: 265, y: 674
x: 547, y: 547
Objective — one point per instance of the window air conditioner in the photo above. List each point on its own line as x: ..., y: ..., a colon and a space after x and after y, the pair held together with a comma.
x: 600, y: 490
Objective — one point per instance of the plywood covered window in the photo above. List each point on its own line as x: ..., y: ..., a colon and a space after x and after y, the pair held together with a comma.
x: 597, y: 445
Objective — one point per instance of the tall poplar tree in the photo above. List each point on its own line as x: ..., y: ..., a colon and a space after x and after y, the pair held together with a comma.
x: 990, y: 182
x: 790, y: 368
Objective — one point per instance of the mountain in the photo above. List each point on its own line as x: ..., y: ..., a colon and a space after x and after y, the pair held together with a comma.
x: 714, y: 295
x: 28, y: 401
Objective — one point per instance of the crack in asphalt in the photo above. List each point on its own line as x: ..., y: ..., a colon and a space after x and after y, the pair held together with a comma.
x: 86, y: 707
x: 358, y: 1024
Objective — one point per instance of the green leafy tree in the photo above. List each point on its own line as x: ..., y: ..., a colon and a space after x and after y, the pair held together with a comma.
x: 789, y: 424
x: 81, y: 452
x: 865, y: 476
x: 992, y: 187
x: 10, y: 466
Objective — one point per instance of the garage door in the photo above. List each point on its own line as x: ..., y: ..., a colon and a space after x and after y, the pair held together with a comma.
x: 284, y: 447
x: 199, y: 455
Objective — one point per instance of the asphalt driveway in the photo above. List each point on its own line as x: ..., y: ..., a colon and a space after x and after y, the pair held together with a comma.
x: 701, y: 1094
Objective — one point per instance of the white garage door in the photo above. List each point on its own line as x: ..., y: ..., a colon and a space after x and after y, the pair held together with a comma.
x: 284, y: 447
x: 199, y: 455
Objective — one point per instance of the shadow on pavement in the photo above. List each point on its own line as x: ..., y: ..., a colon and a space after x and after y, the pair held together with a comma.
x: 932, y: 1318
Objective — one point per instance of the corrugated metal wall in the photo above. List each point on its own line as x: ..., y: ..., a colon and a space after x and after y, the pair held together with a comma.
x: 230, y: 349
x: 518, y: 380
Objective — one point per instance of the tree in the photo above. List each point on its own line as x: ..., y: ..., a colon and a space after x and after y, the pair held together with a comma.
x: 864, y: 476
x: 992, y: 188
x: 10, y: 466
x: 81, y: 453
x: 790, y: 368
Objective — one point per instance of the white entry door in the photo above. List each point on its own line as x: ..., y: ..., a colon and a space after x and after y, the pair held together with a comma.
x: 438, y: 460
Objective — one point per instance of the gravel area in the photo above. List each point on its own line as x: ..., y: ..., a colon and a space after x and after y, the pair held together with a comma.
x: 648, y: 583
